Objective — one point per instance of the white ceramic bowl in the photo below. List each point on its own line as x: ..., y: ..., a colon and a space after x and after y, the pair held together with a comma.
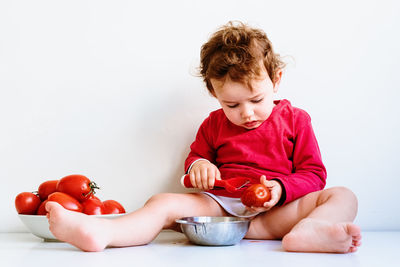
x: 39, y: 226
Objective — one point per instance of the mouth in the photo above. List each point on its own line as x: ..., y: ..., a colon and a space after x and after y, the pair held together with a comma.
x: 251, y: 124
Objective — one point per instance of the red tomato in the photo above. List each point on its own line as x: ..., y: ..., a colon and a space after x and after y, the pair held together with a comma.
x: 42, y: 208
x: 256, y: 195
x: 46, y: 188
x: 92, y: 206
x: 66, y: 201
x: 77, y: 186
x: 112, y: 207
x: 27, y: 203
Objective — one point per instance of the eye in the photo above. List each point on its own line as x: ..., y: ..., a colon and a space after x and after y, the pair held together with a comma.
x: 232, y: 106
x: 257, y: 100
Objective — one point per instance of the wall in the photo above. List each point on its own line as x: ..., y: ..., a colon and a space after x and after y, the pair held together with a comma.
x: 108, y: 89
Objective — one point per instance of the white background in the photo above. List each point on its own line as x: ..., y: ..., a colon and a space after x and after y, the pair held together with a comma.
x: 109, y: 89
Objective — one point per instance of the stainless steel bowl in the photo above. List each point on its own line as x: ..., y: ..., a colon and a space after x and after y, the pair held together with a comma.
x: 214, y: 231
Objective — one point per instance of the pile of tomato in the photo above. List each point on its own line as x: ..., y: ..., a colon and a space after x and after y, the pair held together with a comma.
x: 74, y: 192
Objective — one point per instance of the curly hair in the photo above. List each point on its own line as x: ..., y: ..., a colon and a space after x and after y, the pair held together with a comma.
x: 238, y: 51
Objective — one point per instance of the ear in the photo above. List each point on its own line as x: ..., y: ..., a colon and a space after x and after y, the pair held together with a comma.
x: 277, y: 80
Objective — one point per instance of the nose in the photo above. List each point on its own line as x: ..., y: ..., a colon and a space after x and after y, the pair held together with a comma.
x: 246, y: 112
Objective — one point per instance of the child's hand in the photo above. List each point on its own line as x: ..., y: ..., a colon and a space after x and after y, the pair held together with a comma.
x: 203, y: 174
x: 276, y: 193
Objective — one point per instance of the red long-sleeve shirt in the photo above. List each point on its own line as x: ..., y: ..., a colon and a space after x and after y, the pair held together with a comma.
x: 283, y: 148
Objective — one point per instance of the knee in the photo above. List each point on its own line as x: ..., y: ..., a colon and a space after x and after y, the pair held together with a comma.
x: 166, y: 206
x: 165, y: 203
x: 343, y: 192
x: 161, y: 200
x: 339, y: 192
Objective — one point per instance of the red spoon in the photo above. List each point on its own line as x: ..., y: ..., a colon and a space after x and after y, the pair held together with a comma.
x: 231, y: 185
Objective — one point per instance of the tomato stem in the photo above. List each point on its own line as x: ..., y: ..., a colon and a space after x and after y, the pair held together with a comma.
x: 92, y: 186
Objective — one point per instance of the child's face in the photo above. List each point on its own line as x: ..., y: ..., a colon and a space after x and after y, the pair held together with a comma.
x: 244, y: 107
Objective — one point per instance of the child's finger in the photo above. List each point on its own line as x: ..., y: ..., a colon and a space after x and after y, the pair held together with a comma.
x: 192, y: 177
x: 274, y: 197
x: 206, y: 180
x: 203, y: 179
x: 272, y: 202
x: 210, y: 180
x: 196, y: 179
x: 217, y: 174
x: 269, y: 183
x: 263, y: 180
x: 269, y: 204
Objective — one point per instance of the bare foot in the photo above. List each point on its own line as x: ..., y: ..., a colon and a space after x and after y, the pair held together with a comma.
x: 78, y: 229
x: 311, y: 235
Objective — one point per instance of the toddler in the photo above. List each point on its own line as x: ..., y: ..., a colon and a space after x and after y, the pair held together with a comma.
x: 269, y: 142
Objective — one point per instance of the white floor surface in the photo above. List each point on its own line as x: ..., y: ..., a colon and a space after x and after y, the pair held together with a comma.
x: 173, y: 249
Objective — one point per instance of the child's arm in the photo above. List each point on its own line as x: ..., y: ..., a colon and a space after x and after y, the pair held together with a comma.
x: 199, y: 164
x: 309, y: 173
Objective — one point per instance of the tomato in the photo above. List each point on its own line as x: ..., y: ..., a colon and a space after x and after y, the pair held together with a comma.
x: 42, y: 208
x: 46, y: 188
x: 92, y: 206
x: 66, y: 201
x: 27, y: 203
x: 256, y: 195
x: 77, y: 186
x: 112, y: 207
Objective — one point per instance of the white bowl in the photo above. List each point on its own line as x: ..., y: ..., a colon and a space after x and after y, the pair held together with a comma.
x: 39, y: 226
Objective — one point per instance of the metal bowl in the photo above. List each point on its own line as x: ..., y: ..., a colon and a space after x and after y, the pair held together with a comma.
x: 214, y: 231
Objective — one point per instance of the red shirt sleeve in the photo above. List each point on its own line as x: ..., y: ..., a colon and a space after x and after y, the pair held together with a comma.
x: 202, y: 147
x: 309, y: 173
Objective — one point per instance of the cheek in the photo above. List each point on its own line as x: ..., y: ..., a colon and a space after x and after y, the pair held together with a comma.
x: 231, y: 114
x: 265, y: 110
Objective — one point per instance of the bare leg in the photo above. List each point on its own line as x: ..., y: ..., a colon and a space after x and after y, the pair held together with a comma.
x: 318, y: 222
x: 137, y: 228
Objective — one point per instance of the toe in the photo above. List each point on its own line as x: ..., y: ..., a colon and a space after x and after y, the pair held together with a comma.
x: 353, y: 249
